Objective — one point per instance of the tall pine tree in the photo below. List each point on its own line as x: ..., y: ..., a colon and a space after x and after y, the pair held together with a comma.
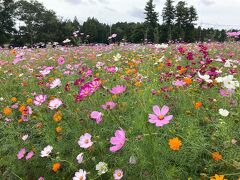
x: 151, y: 20
x: 168, y: 16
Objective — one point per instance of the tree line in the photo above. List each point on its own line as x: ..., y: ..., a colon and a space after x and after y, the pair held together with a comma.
x: 29, y: 22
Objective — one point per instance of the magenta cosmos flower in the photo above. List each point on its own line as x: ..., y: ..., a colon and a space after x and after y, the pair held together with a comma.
x: 118, y: 140
x: 39, y: 99
x: 61, y: 60
x: 159, y: 117
x: 109, y: 105
x: 118, y: 89
x: 97, y: 116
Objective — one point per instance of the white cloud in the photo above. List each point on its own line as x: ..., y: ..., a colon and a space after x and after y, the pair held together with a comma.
x: 218, y: 12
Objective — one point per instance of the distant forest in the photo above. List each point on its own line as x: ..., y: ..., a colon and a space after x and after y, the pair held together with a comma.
x: 27, y: 23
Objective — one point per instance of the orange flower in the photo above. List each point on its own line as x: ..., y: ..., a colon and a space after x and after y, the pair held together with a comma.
x: 175, y: 143
x: 58, y: 129
x: 50, y: 79
x: 217, y: 177
x: 20, y: 120
x: 182, y: 70
x: 22, y: 108
x: 187, y: 80
x: 57, y: 116
x: 14, y: 52
x: 13, y: 99
x: 7, y: 111
x: 198, y: 105
x: 216, y: 156
x: 56, y: 167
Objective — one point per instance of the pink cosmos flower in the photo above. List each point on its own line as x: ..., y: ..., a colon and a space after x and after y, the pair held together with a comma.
x: 29, y: 155
x: 85, y: 141
x: 97, y: 116
x: 109, y: 105
x: 179, y: 83
x: 55, y: 103
x: 118, y: 89
x: 39, y: 99
x: 111, y: 69
x: 160, y: 118
x: 118, y: 141
x: 118, y: 174
x: 61, y: 60
x: 41, y: 178
x: 21, y: 153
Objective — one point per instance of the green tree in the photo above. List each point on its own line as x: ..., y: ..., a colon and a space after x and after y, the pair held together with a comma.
x: 151, y: 20
x: 168, y: 16
x: 7, y: 10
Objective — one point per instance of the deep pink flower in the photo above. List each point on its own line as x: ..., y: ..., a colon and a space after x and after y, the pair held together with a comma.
x: 21, y: 153
x: 39, y: 99
x: 109, y: 105
x: 29, y: 155
x: 118, y: 141
x: 118, y: 89
x: 97, y: 116
x: 159, y: 117
x: 95, y: 84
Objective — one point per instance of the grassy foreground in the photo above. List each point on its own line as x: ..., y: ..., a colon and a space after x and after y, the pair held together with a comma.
x: 133, y: 112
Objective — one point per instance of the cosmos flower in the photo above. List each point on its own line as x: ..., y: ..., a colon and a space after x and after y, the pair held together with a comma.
x: 61, y: 60
x: 109, y: 105
x: 118, y: 174
x: 97, y: 116
x: 55, y: 103
x: 159, y: 117
x: 175, y: 144
x: 79, y: 158
x: 55, y: 83
x: 217, y: 177
x: 85, y: 141
x: 21, y: 153
x: 29, y: 155
x: 118, y: 89
x: 80, y: 175
x: 46, y: 151
x: 118, y: 140
x: 102, y: 168
x: 205, y: 77
x: 179, y: 83
x: 223, y: 112
x: 39, y: 99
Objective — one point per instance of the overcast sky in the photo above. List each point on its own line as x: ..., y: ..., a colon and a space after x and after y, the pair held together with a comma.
x: 212, y: 13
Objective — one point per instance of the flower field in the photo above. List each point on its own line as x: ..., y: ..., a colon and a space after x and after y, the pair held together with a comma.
x: 133, y: 112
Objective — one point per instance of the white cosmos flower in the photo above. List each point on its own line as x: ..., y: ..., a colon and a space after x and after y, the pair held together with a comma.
x: 46, y: 151
x: 223, y: 112
x: 55, y: 103
x: 161, y: 46
x: 80, y: 158
x: 55, y: 83
x: 80, y: 175
x: 117, y: 57
x: 24, y: 138
x: 205, y: 77
x: 229, y: 82
x: 85, y: 141
x: 102, y: 168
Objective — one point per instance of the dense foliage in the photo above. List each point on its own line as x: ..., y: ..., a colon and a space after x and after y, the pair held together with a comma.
x: 29, y: 22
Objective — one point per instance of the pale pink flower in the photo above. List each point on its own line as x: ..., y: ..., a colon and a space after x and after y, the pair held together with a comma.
x: 160, y: 118
x: 55, y: 103
x: 39, y: 99
x: 118, y: 140
x: 118, y: 89
x: 55, y: 83
x: 21, y: 153
x: 29, y: 155
x: 97, y: 116
x: 109, y: 105
x: 179, y: 83
x: 118, y: 174
x: 80, y: 158
x: 85, y: 141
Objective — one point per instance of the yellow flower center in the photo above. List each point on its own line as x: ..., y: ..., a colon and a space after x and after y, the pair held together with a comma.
x: 86, y: 141
x: 161, y: 117
x: 119, y: 174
